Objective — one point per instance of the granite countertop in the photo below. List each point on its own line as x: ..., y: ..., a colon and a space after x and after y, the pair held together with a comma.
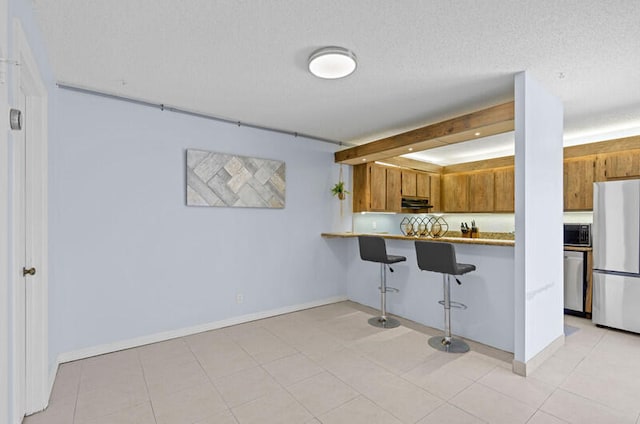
x: 579, y: 248
x: 489, y: 239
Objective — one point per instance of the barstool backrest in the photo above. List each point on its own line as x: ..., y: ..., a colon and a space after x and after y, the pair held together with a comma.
x: 437, y: 257
x: 372, y: 249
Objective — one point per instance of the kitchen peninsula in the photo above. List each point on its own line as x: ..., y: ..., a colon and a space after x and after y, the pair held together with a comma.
x: 488, y: 292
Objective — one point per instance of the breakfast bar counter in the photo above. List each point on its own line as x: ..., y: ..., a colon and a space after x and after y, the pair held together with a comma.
x: 488, y: 292
x: 489, y: 241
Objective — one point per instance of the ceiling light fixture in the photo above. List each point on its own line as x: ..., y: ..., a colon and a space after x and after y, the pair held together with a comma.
x: 332, y: 62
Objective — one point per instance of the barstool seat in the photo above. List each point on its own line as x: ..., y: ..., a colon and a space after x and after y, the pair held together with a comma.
x: 373, y: 249
x: 441, y: 257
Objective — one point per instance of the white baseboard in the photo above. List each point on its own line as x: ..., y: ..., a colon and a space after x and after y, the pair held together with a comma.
x: 167, y: 335
x: 526, y: 368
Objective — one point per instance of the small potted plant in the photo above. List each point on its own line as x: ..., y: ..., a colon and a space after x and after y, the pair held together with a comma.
x: 339, y: 190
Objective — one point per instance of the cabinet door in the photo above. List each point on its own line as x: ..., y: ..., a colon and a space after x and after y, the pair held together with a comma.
x: 394, y: 187
x: 434, y: 197
x: 360, y: 191
x: 623, y: 164
x: 378, y: 187
x: 578, y: 184
x: 600, y: 170
x: 408, y: 183
x: 455, y: 193
x: 481, y: 191
x: 504, y: 190
x: 423, y: 185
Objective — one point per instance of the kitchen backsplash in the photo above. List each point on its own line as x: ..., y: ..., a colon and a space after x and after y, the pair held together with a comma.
x: 487, y: 222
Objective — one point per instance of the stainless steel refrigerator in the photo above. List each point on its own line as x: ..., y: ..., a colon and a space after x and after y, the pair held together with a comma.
x: 616, y: 254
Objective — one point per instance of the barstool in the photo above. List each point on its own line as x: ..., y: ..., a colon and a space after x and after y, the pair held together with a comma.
x: 441, y: 257
x: 373, y: 249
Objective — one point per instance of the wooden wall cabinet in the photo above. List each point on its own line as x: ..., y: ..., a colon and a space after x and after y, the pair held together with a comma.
x: 435, y: 193
x: 455, y: 193
x: 622, y: 165
x: 423, y: 185
x: 394, y: 190
x: 409, y: 183
x: 415, y: 184
x: 489, y: 186
x: 578, y: 178
x: 468, y: 192
x: 481, y: 191
x: 376, y: 188
x: 504, y: 189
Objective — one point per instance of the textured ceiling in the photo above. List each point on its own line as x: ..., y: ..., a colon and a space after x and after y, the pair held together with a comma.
x: 419, y: 61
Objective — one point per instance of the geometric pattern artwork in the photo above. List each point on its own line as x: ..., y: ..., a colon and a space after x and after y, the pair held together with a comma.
x: 219, y: 179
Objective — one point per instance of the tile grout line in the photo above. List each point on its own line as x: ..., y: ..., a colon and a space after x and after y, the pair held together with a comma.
x: 309, y: 378
x: 298, y: 352
x: 186, y: 342
x: 571, y: 372
x: 466, y: 412
x: 359, y: 393
x: 592, y: 401
x: 75, y: 405
x: 146, y: 385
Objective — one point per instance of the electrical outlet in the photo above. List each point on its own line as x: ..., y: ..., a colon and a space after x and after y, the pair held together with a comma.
x: 374, y: 225
x: 239, y: 298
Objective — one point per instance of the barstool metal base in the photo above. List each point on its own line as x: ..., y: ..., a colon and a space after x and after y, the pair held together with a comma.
x: 387, y: 322
x: 456, y: 345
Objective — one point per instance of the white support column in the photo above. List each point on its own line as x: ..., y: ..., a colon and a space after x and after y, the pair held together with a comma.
x: 538, y: 252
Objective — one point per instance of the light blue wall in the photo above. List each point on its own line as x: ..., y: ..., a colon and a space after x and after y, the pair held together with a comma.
x: 129, y: 259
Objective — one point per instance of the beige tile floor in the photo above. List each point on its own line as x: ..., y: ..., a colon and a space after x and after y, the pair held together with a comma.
x: 327, y: 365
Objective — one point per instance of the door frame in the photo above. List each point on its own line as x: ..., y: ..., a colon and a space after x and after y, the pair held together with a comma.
x: 4, y: 213
x: 28, y: 77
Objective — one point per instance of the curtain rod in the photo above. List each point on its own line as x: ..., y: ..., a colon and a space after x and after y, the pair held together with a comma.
x: 164, y: 107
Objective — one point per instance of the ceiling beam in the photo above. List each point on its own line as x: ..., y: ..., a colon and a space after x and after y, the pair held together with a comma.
x: 609, y: 146
x: 413, y: 164
x: 491, y: 121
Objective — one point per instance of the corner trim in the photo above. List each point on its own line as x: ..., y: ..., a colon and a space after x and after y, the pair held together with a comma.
x: 526, y: 368
x: 167, y: 335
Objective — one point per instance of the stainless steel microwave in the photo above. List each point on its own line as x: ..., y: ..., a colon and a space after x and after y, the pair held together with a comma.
x: 577, y: 235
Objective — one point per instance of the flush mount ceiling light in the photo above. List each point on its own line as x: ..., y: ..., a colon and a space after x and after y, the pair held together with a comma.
x: 332, y: 62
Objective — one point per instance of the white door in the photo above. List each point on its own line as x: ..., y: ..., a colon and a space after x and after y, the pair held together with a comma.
x: 20, y: 248
x: 29, y: 300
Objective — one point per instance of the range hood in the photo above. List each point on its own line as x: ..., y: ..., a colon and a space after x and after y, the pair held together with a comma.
x: 416, y: 203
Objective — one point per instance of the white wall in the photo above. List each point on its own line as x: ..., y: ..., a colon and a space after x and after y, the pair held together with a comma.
x: 539, y: 236
x: 129, y: 259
